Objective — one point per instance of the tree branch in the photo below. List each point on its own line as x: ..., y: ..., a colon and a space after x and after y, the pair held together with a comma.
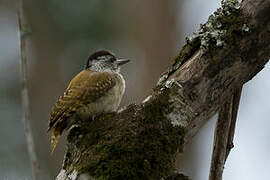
x: 224, y: 132
x: 24, y: 31
x: 235, y: 107
x: 220, y: 140
x: 140, y: 141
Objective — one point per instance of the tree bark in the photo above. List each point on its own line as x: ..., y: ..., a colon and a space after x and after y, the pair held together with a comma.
x: 141, y: 140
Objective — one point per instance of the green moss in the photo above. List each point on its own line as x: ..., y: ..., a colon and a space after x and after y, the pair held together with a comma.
x: 127, y: 148
x: 178, y: 176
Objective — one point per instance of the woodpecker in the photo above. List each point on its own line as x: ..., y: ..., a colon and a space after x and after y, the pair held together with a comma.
x: 97, y: 89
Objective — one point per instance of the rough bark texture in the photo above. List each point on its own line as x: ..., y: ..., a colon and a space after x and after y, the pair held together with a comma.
x: 140, y: 141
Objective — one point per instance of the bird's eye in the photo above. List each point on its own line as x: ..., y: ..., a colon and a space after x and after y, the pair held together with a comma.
x: 112, y: 59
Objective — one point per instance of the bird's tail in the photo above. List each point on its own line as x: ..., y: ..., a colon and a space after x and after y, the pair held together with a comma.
x: 54, y: 137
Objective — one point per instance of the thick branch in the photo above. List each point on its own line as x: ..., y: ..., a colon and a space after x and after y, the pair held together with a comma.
x: 141, y: 141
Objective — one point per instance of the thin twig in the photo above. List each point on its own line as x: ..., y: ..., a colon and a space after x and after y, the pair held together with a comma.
x: 24, y: 30
x: 224, y: 133
x: 220, y: 140
x: 236, y: 102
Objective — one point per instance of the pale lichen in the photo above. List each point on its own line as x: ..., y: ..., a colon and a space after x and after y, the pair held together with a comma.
x: 122, y: 109
x: 62, y: 175
x: 85, y: 176
x: 162, y: 79
x: 178, y: 116
x: 223, y: 27
x: 147, y: 99
x: 176, y: 119
x: 216, y: 31
x: 169, y: 83
x: 73, y: 175
x: 245, y: 28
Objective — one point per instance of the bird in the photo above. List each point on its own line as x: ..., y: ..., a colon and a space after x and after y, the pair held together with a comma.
x: 95, y: 90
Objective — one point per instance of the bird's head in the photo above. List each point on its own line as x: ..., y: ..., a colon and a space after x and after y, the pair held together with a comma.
x: 104, y: 61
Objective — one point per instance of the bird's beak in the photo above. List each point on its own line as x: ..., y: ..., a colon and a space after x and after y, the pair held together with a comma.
x: 120, y: 62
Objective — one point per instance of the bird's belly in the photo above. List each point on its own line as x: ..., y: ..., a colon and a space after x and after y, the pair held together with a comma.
x: 107, y: 103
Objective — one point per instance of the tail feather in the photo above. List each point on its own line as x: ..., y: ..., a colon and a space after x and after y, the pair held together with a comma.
x: 54, y: 138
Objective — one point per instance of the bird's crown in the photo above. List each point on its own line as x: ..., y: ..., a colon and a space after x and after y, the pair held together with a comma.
x: 104, y: 61
x: 100, y: 55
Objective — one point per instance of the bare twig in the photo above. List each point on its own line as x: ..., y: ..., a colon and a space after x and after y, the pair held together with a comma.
x: 224, y: 133
x: 235, y: 107
x: 220, y: 140
x: 24, y: 30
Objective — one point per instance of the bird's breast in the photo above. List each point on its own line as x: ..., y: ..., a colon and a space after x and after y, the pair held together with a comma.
x: 109, y: 102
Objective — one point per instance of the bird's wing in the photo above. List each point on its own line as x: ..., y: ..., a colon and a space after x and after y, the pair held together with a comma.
x: 85, y: 88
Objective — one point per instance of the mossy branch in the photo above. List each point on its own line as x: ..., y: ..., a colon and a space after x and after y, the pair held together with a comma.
x: 141, y: 141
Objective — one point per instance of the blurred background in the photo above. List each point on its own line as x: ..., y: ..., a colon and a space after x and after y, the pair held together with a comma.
x: 150, y: 33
